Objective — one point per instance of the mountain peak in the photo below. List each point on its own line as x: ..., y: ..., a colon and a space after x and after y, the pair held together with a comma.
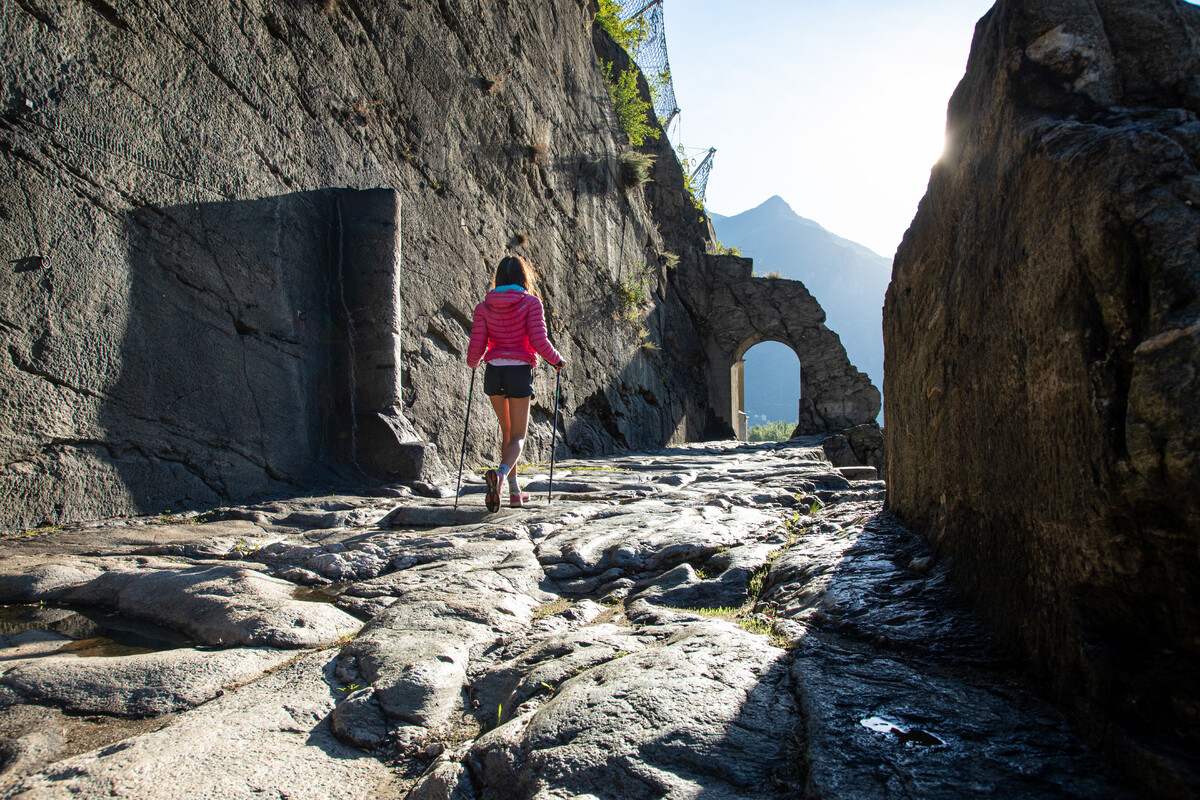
x: 776, y: 204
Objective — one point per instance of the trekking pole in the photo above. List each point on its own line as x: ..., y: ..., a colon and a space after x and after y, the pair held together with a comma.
x: 554, y: 434
x: 463, y: 454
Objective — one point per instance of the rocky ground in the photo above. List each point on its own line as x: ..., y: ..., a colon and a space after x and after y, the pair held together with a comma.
x: 716, y: 621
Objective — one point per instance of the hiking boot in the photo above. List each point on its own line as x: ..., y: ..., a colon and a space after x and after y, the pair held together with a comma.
x: 518, y: 499
x: 493, y: 493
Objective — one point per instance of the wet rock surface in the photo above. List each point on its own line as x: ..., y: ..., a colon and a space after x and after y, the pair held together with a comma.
x: 724, y: 621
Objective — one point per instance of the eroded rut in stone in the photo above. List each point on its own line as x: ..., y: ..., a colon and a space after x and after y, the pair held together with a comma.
x: 717, y: 621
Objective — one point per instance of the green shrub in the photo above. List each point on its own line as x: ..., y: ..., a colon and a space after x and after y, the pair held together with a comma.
x: 628, y: 33
x: 632, y: 293
x: 632, y: 111
x: 633, y: 296
x: 771, y: 432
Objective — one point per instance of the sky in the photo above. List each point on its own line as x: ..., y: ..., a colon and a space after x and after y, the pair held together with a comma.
x: 837, y: 106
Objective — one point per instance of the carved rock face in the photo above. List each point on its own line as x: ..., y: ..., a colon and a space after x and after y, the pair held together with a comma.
x: 207, y: 298
x: 1042, y: 350
x: 180, y: 275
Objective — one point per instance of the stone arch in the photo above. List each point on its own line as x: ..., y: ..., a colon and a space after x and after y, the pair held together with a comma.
x: 742, y: 311
x: 738, y: 382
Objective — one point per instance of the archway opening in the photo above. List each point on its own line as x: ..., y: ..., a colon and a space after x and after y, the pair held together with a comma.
x: 770, y: 391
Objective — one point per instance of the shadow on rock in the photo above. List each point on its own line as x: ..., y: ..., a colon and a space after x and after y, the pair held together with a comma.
x: 902, y: 691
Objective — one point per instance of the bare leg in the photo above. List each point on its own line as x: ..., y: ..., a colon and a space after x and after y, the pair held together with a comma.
x: 518, y: 425
x: 500, y: 406
x: 492, y: 476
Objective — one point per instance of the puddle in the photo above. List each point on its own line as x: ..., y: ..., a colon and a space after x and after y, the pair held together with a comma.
x: 319, y: 594
x: 914, y: 737
x: 94, y: 633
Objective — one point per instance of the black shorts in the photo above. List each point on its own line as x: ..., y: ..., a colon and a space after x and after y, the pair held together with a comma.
x: 514, y: 381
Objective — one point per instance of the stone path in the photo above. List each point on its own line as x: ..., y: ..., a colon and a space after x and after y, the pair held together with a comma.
x: 714, y: 621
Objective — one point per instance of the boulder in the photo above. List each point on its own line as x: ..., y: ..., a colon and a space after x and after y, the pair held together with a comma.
x: 860, y: 446
x: 1043, y: 362
x: 359, y: 721
x: 445, y: 781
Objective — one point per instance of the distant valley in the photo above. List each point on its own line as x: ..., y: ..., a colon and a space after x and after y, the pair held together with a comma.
x: 847, y: 279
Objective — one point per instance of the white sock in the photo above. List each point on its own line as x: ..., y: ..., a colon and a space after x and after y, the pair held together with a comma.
x: 513, y: 486
x: 503, y: 470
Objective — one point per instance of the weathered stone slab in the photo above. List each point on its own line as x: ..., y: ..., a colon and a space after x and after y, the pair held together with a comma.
x: 30, y: 644
x: 504, y: 690
x: 467, y: 593
x: 270, y: 737
x: 219, y: 605
x: 653, y: 537
x: 216, y: 605
x: 139, y: 685
x: 708, y: 713
x: 193, y: 538
x: 25, y: 579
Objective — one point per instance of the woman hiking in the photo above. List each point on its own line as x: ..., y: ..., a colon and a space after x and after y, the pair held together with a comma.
x: 508, y: 332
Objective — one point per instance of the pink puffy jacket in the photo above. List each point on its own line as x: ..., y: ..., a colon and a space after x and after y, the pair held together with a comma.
x: 510, y: 324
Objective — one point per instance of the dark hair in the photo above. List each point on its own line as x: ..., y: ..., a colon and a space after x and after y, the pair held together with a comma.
x: 515, y: 269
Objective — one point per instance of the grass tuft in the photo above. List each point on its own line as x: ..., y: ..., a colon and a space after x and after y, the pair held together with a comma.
x: 718, y: 249
x: 742, y: 617
x: 635, y: 167
x: 553, y: 607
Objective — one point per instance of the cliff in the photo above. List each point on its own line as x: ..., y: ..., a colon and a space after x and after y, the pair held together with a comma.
x: 1042, y: 337
x: 180, y: 315
x: 246, y: 241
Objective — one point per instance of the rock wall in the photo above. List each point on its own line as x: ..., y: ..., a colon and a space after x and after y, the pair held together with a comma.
x: 202, y: 304
x: 1043, y: 346
x: 175, y: 301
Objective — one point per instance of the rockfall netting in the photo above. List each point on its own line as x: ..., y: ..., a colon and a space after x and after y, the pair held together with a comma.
x: 651, y: 57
